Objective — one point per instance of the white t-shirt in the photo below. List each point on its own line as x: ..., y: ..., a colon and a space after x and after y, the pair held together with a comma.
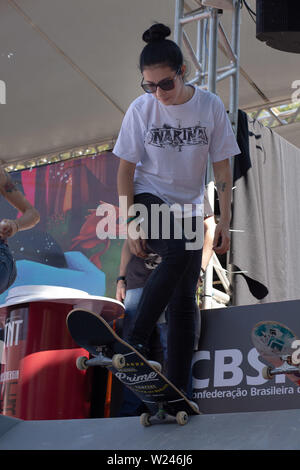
x: 170, y: 145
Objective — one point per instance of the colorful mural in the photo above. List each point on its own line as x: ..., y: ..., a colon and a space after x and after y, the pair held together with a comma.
x: 64, y: 249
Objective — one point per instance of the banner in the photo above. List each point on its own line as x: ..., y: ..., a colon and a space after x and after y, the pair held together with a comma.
x: 227, y: 369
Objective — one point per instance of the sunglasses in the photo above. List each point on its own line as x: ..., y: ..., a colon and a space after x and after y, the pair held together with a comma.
x: 166, y: 84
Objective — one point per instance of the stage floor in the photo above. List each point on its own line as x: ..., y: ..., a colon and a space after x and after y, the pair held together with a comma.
x: 231, y: 431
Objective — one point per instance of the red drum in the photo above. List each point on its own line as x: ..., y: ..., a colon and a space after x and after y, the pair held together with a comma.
x: 39, y: 378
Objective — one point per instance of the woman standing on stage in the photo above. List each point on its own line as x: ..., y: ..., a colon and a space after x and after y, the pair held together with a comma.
x: 163, y: 146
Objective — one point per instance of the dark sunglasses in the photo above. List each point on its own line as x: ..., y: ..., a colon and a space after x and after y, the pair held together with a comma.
x: 166, y: 84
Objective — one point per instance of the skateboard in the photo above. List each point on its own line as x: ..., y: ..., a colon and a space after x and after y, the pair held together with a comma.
x: 164, y: 401
x: 273, y: 342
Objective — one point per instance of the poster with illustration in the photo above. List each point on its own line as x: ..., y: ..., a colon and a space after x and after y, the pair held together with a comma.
x: 64, y: 249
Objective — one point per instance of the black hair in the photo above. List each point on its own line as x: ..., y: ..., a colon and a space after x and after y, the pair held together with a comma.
x: 160, y: 50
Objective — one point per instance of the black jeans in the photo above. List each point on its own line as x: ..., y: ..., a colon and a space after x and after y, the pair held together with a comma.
x: 172, y: 283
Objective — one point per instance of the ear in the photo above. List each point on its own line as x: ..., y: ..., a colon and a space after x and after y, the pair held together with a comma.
x: 183, y: 70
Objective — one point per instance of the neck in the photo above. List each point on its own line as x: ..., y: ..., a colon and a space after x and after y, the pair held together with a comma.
x: 186, y: 94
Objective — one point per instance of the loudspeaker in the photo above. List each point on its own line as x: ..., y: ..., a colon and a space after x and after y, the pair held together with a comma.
x: 278, y: 24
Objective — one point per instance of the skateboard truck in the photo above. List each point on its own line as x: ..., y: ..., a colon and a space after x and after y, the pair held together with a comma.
x: 287, y: 367
x: 162, y: 416
x: 118, y: 361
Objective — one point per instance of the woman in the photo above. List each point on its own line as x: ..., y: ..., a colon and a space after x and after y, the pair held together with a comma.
x: 163, y: 147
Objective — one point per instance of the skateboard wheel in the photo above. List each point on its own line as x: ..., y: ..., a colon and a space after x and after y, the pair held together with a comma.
x: 182, y: 418
x: 81, y: 363
x: 155, y: 365
x: 118, y: 361
x: 266, y: 373
x: 145, y: 419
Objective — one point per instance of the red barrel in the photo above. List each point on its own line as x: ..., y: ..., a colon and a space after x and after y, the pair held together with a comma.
x: 39, y: 378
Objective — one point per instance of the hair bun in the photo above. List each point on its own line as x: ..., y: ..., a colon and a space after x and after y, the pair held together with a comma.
x: 157, y: 32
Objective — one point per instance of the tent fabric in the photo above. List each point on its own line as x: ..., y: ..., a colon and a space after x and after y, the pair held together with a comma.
x: 70, y: 68
x: 266, y: 218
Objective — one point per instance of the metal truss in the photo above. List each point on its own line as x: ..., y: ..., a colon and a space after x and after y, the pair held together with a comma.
x: 275, y: 115
x: 88, y: 150
x: 209, y: 36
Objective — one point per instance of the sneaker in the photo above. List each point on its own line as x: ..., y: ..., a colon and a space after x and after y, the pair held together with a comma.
x: 193, y: 404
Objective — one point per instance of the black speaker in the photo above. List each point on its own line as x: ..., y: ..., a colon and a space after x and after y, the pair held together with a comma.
x: 278, y: 24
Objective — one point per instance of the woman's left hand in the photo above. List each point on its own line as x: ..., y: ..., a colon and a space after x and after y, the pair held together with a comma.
x: 221, y: 242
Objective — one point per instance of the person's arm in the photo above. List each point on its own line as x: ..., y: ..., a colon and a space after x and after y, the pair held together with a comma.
x: 207, y: 250
x: 209, y: 232
x: 121, y: 284
x: 125, y: 186
x: 30, y: 216
x: 125, y: 191
x: 223, y: 179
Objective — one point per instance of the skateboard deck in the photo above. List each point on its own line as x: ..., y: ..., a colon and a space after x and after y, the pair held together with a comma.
x: 163, y: 400
x: 273, y: 342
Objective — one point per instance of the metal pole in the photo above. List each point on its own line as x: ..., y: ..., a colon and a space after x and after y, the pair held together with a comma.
x: 204, y: 48
x: 234, y: 79
x: 208, y: 280
x: 179, y: 7
x: 234, y: 90
x: 193, y: 56
x: 226, y: 74
x: 212, y: 87
x: 227, y: 44
x: 212, y: 69
x: 199, y: 54
x: 191, y: 18
x: 213, y: 49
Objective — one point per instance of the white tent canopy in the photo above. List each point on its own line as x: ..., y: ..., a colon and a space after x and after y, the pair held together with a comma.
x: 70, y: 70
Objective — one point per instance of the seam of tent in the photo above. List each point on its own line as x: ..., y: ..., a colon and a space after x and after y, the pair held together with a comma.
x: 64, y: 55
